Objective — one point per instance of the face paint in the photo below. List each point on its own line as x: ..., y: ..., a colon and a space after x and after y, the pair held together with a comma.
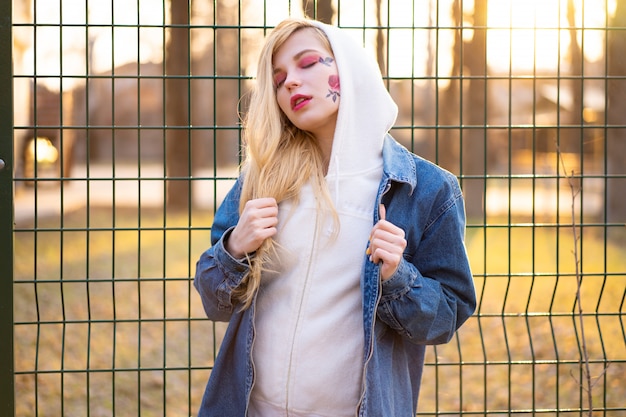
x: 333, y: 91
x: 326, y: 61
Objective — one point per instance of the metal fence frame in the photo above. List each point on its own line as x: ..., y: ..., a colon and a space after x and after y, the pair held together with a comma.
x: 531, y: 371
x: 6, y: 215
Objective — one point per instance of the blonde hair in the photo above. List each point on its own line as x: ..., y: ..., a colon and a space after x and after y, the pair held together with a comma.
x: 279, y: 158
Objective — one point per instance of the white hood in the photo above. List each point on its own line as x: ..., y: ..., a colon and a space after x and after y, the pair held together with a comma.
x: 366, y: 111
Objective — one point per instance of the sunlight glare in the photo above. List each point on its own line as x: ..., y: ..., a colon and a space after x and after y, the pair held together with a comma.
x: 57, y: 52
x: 523, y: 35
x: 531, y: 34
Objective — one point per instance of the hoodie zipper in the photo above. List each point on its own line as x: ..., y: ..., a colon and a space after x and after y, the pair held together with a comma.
x: 299, y: 316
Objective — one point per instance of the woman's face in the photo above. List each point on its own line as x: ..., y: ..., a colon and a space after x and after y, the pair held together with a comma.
x: 307, y: 84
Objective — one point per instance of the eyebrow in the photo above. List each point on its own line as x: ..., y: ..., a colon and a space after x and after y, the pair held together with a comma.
x: 296, y: 57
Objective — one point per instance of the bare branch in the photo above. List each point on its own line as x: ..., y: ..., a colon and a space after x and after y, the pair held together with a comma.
x: 587, y: 385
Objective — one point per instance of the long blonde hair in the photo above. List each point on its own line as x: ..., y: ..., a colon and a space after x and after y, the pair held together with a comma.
x: 279, y: 158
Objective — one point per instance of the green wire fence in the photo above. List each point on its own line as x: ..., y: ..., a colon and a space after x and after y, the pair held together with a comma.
x: 126, y: 136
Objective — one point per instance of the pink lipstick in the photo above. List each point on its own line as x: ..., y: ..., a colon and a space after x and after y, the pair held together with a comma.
x: 298, y: 101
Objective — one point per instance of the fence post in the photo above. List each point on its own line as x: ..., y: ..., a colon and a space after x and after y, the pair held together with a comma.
x: 7, y: 390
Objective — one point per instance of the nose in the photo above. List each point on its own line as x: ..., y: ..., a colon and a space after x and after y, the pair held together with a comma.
x: 292, y: 81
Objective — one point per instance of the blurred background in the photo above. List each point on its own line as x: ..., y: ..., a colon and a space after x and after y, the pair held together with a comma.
x: 126, y: 136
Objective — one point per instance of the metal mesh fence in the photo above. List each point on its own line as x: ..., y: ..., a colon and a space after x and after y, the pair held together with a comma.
x: 126, y: 133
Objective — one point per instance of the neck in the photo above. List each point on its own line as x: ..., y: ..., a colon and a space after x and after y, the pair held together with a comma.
x: 325, y: 142
x: 326, y: 147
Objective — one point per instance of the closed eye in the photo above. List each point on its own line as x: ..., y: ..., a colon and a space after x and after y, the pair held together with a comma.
x: 279, y: 79
x: 309, y: 61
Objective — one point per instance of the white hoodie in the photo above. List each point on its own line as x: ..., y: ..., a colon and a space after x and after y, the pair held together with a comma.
x: 308, y: 348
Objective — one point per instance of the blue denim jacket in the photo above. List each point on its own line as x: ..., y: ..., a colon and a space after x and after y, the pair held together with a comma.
x: 427, y: 299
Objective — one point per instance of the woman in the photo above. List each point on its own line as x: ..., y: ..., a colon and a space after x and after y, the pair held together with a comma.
x: 338, y: 255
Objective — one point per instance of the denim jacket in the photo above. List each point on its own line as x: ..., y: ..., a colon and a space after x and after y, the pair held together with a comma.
x: 426, y: 300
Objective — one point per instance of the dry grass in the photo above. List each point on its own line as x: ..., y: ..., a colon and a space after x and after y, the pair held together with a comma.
x: 112, y: 324
x: 108, y: 323
x: 521, y: 351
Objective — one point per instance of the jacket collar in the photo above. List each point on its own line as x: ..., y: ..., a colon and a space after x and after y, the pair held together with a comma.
x: 398, y: 163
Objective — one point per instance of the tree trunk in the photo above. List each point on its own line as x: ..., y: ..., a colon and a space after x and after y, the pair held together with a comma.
x: 380, y: 39
x: 475, y: 104
x: 571, y: 138
x: 321, y: 10
x: 176, y: 107
x: 616, y: 115
x: 449, y: 114
x: 228, y: 85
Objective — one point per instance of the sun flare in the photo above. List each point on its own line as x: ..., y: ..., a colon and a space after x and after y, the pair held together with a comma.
x: 522, y: 35
x: 534, y: 34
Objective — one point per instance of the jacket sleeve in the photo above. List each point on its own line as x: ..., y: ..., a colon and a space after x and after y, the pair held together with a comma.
x: 432, y: 293
x: 217, y: 272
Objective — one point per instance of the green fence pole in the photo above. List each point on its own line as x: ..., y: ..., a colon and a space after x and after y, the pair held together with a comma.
x: 7, y: 389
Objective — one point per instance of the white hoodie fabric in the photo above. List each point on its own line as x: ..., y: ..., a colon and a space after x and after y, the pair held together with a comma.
x: 308, y: 347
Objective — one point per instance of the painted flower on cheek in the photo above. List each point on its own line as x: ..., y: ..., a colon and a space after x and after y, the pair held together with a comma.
x: 333, y: 92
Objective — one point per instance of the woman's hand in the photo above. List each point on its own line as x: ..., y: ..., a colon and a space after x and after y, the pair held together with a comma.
x: 257, y: 222
x: 387, y: 243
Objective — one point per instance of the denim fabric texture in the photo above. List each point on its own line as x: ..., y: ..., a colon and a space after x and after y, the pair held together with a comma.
x: 424, y: 303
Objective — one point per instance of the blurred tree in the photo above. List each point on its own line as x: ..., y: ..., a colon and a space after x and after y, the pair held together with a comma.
x: 429, y: 111
x: 616, y: 115
x: 571, y: 139
x: 380, y: 39
x: 22, y: 88
x: 474, y: 58
x: 321, y: 10
x: 449, y: 114
x: 177, y: 136
x: 228, y: 57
